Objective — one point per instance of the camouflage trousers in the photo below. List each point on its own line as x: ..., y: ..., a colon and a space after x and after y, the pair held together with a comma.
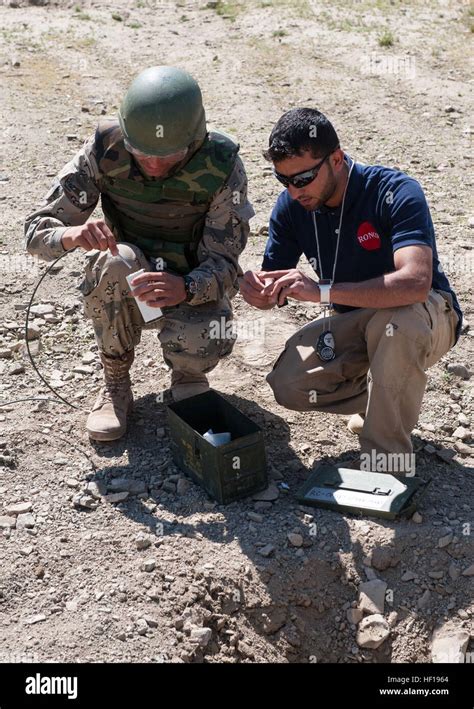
x: 188, y: 333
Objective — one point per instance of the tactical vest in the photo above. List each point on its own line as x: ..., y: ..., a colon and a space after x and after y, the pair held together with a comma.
x: 164, y: 218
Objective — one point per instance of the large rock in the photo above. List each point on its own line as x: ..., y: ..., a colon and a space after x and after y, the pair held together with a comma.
x: 372, y: 596
x: 372, y: 631
x: 201, y: 636
x: 449, y: 645
x: 18, y: 508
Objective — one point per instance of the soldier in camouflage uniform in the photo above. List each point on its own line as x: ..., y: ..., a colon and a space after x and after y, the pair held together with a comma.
x: 174, y: 199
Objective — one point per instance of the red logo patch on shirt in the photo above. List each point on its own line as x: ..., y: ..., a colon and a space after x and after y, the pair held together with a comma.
x: 367, y: 237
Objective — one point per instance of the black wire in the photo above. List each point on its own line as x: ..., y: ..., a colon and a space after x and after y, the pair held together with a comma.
x: 65, y: 401
x: 31, y: 398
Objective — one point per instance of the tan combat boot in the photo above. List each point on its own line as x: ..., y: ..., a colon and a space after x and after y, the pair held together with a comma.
x: 108, y: 419
x: 356, y: 423
x: 185, y: 384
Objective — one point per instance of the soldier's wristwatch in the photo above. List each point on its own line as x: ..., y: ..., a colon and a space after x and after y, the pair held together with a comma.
x: 190, y: 286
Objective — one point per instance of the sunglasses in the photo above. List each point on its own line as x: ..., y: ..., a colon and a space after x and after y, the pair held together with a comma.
x: 301, y: 179
x: 172, y: 157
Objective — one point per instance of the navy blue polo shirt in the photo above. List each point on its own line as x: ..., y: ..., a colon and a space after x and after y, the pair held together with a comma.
x: 384, y: 210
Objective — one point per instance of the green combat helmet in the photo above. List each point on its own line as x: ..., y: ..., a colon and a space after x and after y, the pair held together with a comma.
x: 162, y: 111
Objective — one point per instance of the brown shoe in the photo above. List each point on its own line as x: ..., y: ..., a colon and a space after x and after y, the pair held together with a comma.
x: 356, y: 423
x: 184, y: 385
x: 108, y: 419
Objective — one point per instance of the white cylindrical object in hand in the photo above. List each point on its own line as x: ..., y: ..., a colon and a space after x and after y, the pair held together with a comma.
x: 148, y: 312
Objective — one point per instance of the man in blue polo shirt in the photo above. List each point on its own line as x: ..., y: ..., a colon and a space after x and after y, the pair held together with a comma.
x: 388, y: 310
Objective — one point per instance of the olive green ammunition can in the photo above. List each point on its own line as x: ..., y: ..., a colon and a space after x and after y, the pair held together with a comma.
x: 227, y: 472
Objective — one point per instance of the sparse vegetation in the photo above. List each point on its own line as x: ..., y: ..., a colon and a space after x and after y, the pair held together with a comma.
x: 386, y: 39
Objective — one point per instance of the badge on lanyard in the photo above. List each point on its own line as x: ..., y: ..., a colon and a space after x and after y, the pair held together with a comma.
x: 326, y: 348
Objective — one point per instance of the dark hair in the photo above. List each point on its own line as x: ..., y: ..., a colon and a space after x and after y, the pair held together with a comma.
x: 299, y: 130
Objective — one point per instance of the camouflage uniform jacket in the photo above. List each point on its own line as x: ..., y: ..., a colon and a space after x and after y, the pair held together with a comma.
x: 76, y: 191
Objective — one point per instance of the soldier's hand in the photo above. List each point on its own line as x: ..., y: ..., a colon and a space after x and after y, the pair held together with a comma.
x: 159, y: 289
x: 251, y: 287
x: 92, y: 235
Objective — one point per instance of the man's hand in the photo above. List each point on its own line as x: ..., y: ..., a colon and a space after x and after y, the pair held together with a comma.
x: 291, y: 283
x: 251, y: 287
x: 159, y: 289
x: 92, y: 235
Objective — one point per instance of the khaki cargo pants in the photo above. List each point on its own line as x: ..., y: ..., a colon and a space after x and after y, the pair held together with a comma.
x: 379, y: 369
x: 186, y: 333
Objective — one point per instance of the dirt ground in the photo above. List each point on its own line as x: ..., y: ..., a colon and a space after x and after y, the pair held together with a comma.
x: 167, y: 574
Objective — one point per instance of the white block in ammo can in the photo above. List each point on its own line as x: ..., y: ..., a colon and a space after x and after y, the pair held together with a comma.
x: 228, y: 471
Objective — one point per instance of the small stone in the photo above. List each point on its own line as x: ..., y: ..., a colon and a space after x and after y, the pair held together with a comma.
x: 417, y: 518
x: 446, y: 454
x: 354, y: 616
x: 464, y: 449
x: 42, y: 309
x: 429, y: 449
x: 7, y: 522
x: 32, y: 619
x: 154, y: 594
x: 408, y: 576
x: 469, y: 571
x: 60, y: 460
x: 445, y: 541
x: 424, y: 600
x: 384, y: 557
x: 115, y: 497
x: 436, y: 574
x: 459, y: 370
x: 149, y: 565
x: 461, y: 433
x: 16, y: 369
x: 151, y: 622
x: 83, y: 369
x: 392, y: 618
x: 270, y: 494
x: 89, y: 358
x: 370, y: 573
x: 372, y: 596
x: 454, y: 572
x: 18, y: 508
x: 160, y: 432
x: 39, y: 571
x: 142, y: 542
x: 262, y: 506
x: 428, y: 427
x: 6, y: 354
x: 97, y: 489
x: 254, y: 516
x: 201, y: 636
x: 267, y: 550
x: 33, y: 332
x: 463, y: 419
x: 25, y: 521
x: 84, y: 501
x: 141, y: 626
x: 372, y: 631
x: 296, y: 540
x: 449, y: 645
x: 182, y: 486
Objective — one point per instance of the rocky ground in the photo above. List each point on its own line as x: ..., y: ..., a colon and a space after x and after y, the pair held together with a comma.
x: 107, y: 552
